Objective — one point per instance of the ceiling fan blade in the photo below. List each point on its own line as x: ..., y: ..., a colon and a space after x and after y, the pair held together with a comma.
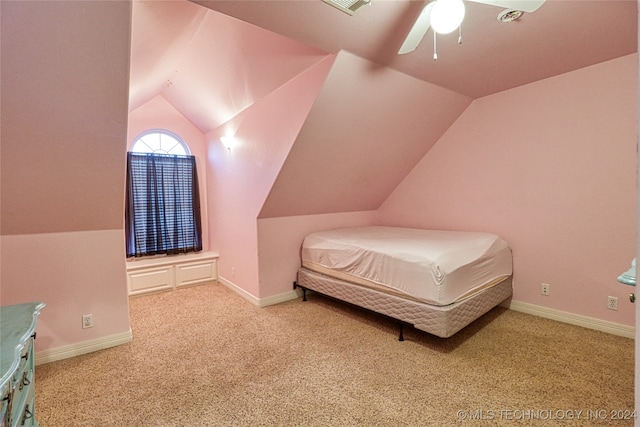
x: 523, y: 5
x: 417, y: 32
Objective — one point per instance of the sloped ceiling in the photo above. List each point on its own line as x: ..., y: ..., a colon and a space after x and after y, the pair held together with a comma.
x: 209, y: 66
x: 206, y: 65
x: 367, y: 129
x: 561, y: 36
x: 378, y: 112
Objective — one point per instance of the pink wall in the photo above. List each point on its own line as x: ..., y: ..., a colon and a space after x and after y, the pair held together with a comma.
x: 280, y: 240
x: 551, y: 167
x: 57, y: 140
x: 158, y: 113
x: 240, y: 179
x: 65, y: 77
x: 73, y: 273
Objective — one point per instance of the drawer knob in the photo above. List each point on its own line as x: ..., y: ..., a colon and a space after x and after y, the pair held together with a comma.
x: 26, y: 415
x: 25, y: 380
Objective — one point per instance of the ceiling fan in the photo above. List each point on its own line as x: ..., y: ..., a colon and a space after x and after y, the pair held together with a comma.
x: 444, y: 16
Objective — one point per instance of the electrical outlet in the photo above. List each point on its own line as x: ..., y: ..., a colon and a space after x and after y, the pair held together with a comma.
x: 87, y: 321
x: 545, y: 289
x: 612, y: 303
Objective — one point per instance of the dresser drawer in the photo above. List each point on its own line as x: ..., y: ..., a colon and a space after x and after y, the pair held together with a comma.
x: 4, y: 410
x: 22, y: 386
x: 26, y: 418
x: 26, y: 358
x: 18, y: 331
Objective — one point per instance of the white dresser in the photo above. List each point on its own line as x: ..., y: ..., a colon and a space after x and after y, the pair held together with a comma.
x: 17, y: 385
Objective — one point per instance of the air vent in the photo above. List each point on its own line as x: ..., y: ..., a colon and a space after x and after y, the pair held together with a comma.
x: 510, y: 15
x: 348, y: 6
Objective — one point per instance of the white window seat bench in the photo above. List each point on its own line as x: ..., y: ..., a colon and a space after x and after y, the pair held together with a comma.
x: 170, y: 272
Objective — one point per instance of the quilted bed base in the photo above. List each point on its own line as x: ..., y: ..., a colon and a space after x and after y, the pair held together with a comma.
x: 442, y: 321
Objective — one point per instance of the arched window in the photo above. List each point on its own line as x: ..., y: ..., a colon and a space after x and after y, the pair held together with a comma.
x: 162, y: 211
x: 159, y: 142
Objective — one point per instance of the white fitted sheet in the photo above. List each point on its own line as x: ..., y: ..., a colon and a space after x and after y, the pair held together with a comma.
x: 433, y: 266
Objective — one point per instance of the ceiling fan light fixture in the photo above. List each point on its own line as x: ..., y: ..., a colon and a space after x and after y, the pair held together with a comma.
x: 447, y: 15
x: 510, y: 15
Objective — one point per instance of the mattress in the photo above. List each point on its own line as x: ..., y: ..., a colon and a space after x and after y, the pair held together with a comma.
x: 431, y: 266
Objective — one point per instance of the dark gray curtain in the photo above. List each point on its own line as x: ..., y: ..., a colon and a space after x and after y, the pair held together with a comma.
x: 162, y: 211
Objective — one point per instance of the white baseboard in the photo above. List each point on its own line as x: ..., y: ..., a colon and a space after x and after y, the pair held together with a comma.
x: 83, y: 347
x: 573, y: 319
x: 277, y: 299
x: 264, y: 302
x: 536, y: 310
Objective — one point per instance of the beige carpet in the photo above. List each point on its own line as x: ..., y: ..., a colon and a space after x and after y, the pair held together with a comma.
x: 203, y: 356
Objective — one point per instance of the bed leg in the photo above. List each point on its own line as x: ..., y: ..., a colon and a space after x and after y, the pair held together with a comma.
x: 401, y: 337
x: 304, y: 290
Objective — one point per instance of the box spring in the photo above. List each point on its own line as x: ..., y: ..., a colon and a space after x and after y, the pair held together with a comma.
x: 442, y: 321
